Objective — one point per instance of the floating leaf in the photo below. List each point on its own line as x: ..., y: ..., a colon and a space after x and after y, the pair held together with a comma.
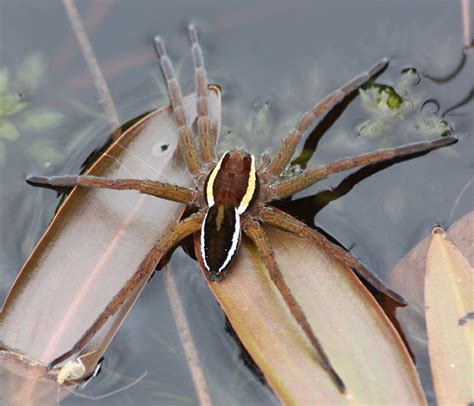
x: 408, y: 278
x: 31, y: 71
x: 4, y: 77
x: 449, y: 298
x: 8, y: 131
x: 93, y: 245
x: 11, y: 103
x: 362, y: 344
x: 41, y: 119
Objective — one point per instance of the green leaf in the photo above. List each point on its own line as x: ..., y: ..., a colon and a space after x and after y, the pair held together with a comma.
x: 31, y: 71
x: 4, y: 76
x: 45, y: 154
x: 8, y: 131
x: 41, y: 119
x: 11, y: 104
x: 433, y: 125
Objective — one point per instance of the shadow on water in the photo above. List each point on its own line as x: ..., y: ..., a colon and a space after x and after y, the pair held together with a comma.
x: 389, y: 207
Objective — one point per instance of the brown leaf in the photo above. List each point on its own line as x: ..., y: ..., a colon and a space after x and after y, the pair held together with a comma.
x: 94, y: 244
x: 361, y: 343
x: 408, y: 278
x: 449, y: 302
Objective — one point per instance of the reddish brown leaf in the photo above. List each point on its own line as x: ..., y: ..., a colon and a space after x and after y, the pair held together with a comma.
x: 362, y: 344
x: 94, y: 244
x: 449, y: 304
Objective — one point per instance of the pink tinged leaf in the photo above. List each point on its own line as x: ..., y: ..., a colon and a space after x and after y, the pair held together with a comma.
x: 449, y: 304
x: 361, y: 343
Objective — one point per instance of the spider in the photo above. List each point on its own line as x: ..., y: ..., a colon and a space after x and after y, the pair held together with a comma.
x: 234, y: 194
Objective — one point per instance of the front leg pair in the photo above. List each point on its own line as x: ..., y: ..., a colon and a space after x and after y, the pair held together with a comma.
x: 207, y: 136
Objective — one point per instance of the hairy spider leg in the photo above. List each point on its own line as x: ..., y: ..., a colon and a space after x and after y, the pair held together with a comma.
x: 162, y: 190
x: 186, y: 140
x: 256, y: 233
x: 206, y: 132
x: 290, y: 186
x: 279, y: 219
x: 180, y: 230
x: 308, y: 119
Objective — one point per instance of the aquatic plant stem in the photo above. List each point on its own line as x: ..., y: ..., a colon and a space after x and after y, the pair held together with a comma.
x: 186, y: 338
x: 93, y: 66
x: 466, y: 25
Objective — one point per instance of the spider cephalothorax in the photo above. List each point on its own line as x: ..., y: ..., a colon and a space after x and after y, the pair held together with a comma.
x: 235, y: 196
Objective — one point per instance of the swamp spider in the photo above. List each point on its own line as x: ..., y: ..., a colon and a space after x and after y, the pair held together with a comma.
x: 234, y: 194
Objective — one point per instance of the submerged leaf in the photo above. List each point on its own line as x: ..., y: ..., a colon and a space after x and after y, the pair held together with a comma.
x: 31, y: 71
x: 8, y: 131
x: 11, y: 103
x: 44, y: 154
x: 41, y: 119
x: 449, y: 297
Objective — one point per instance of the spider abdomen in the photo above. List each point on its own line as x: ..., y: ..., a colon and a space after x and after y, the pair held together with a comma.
x: 230, y: 189
x: 220, y: 239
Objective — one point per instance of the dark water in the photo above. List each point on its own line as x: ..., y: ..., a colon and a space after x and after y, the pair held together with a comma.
x: 281, y: 56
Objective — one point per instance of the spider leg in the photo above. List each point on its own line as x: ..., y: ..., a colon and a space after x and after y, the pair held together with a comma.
x: 186, y: 141
x: 163, y: 190
x: 206, y: 131
x: 253, y: 230
x: 308, y: 177
x: 175, y: 234
x: 288, y: 146
x: 279, y: 219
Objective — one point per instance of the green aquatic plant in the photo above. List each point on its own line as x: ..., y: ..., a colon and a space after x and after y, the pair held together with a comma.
x: 21, y: 114
x: 388, y: 104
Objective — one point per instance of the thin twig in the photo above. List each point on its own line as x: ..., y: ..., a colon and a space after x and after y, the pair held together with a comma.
x: 93, y: 66
x: 184, y: 331
x: 466, y: 24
